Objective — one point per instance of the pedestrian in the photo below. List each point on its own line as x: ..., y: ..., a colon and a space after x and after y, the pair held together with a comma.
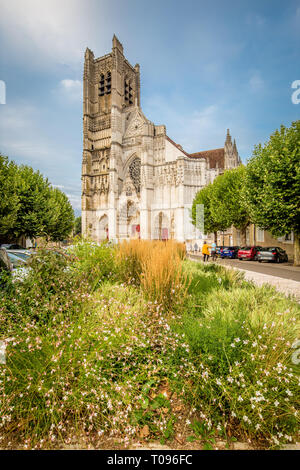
x: 195, y: 247
x: 205, y: 251
x: 213, y: 251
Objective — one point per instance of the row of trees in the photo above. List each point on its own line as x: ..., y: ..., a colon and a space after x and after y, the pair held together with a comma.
x: 30, y: 206
x: 265, y: 192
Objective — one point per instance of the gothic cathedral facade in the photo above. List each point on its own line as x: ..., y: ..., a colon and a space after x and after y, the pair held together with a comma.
x: 136, y: 181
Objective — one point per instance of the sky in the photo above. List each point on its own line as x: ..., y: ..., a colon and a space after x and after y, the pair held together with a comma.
x: 205, y: 67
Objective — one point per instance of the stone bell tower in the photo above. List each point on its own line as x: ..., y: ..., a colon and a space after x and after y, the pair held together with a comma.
x: 231, y: 156
x: 110, y: 85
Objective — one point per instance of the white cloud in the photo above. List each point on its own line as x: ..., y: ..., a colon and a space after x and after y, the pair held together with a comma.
x: 195, y: 130
x: 43, y: 32
x: 24, y: 140
x: 71, y: 88
x: 75, y: 200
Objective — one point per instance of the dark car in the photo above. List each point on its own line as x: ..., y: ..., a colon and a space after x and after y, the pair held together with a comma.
x: 218, y: 251
x: 272, y: 253
x: 248, y: 252
x: 229, y: 252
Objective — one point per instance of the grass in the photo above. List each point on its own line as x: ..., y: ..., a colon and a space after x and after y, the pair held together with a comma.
x: 134, y: 342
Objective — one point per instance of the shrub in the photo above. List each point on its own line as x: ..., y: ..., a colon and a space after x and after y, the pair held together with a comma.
x: 98, y: 373
x: 49, y: 288
x: 94, y: 262
x: 241, y: 344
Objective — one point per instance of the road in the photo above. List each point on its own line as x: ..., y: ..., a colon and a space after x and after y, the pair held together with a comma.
x: 283, y: 270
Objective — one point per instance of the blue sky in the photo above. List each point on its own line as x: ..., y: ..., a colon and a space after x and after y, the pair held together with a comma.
x: 205, y: 67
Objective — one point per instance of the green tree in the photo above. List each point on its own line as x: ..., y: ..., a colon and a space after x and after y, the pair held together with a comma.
x: 9, y: 202
x: 228, y: 201
x: 61, y: 216
x: 272, y: 184
x: 33, y: 192
x: 30, y: 206
x: 77, y: 226
x: 211, y: 224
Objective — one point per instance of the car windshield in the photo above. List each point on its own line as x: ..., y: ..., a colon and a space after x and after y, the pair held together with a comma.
x: 246, y: 248
x: 20, y: 255
x: 16, y: 260
x: 270, y: 248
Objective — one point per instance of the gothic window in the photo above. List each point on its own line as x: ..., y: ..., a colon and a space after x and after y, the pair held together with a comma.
x: 135, y: 174
x: 108, y: 83
x: 105, y: 84
x: 128, y: 91
x: 101, y: 85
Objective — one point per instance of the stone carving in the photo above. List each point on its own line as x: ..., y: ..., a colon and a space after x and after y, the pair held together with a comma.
x: 135, y: 126
x: 135, y: 174
x: 103, y: 66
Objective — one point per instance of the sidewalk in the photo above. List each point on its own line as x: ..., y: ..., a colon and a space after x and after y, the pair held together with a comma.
x: 284, y: 285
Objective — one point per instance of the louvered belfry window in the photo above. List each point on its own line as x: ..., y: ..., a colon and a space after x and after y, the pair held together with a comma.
x: 105, y: 84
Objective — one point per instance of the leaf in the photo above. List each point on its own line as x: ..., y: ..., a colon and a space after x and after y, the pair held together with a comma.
x: 191, y: 439
x: 208, y: 446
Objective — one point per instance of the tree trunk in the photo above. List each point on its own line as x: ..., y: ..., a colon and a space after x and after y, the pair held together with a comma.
x: 296, y: 249
x: 243, y: 236
x: 216, y: 237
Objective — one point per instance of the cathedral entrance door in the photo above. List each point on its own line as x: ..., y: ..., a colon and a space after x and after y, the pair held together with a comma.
x: 103, y: 228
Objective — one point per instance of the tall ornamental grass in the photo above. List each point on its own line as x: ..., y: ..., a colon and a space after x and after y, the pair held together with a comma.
x: 157, y: 267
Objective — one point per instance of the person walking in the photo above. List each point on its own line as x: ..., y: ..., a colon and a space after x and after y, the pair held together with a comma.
x: 195, y: 248
x: 205, y: 251
x: 213, y: 251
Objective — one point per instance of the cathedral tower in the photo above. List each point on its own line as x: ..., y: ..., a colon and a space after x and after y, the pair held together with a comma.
x: 110, y: 86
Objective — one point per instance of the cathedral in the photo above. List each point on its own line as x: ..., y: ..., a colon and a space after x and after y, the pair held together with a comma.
x: 136, y: 181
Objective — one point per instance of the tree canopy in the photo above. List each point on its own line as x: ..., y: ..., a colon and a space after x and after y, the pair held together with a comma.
x: 30, y: 206
x: 223, y: 202
x: 272, y: 184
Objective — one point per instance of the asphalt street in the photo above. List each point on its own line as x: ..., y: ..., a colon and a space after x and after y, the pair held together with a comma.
x: 283, y: 270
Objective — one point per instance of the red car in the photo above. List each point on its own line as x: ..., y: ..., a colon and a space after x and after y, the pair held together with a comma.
x: 248, y: 252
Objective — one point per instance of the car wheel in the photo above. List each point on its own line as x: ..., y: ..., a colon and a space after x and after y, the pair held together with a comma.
x: 241, y: 259
x: 259, y: 260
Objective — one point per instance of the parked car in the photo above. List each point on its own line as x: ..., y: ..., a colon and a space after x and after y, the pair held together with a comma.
x: 271, y: 253
x: 15, y: 260
x: 248, y: 252
x: 12, y: 246
x: 229, y: 252
x: 21, y: 254
x: 218, y: 251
